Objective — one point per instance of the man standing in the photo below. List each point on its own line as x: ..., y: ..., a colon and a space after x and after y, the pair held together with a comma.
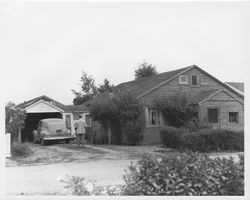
x: 80, y: 131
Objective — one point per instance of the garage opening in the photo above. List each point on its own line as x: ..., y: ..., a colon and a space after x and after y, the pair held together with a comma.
x: 31, y: 123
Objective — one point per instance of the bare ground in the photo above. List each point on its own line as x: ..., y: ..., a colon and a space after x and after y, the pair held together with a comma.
x: 38, y: 173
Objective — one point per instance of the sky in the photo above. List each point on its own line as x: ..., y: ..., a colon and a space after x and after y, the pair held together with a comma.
x: 45, y: 46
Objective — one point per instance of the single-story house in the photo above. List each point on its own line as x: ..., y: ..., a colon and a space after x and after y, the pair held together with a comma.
x: 219, y: 104
x: 44, y: 107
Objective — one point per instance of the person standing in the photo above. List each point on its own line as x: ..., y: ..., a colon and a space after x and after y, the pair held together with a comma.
x: 80, y: 131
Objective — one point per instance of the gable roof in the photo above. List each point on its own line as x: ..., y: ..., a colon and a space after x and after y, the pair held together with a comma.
x: 236, y: 85
x: 44, y: 98
x: 143, y: 85
x: 203, y: 95
x: 65, y: 108
x: 206, y: 95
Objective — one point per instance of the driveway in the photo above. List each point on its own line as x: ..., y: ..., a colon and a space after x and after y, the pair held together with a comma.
x: 39, y: 173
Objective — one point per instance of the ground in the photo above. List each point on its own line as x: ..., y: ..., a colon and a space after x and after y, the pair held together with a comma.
x: 39, y: 173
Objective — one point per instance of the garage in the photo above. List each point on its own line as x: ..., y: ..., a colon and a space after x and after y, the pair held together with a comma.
x: 31, y: 123
x: 39, y: 108
x: 44, y: 107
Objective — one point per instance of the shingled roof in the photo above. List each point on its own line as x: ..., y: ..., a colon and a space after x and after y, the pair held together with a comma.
x: 140, y: 86
x: 237, y: 85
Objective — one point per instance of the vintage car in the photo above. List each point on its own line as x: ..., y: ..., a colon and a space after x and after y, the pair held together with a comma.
x: 52, y: 129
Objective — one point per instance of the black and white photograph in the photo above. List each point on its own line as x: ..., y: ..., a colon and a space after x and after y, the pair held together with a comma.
x: 126, y: 98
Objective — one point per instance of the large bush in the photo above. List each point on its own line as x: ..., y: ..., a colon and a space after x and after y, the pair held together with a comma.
x: 131, y: 116
x: 185, y: 174
x: 213, y: 140
x: 177, y: 109
x: 171, y: 137
x: 14, y: 120
x: 124, y: 113
x: 204, y: 140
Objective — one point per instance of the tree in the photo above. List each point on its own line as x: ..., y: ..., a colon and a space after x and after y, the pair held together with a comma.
x: 89, y: 89
x: 14, y: 120
x: 145, y: 70
x: 131, y: 116
x: 105, y: 86
x: 124, y: 111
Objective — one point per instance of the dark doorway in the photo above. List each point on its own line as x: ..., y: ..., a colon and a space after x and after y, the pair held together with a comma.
x: 31, y: 123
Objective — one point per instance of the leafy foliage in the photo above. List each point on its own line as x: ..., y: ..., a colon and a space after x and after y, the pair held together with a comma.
x: 213, y: 140
x: 74, y: 185
x: 204, y: 140
x: 176, y: 109
x: 130, y: 114
x: 20, y: 149
x: 145, y: 70
x: 123, y: 111
x: 89, y: 89
x: 105, y: 86
x: 172, y: 137
x: 14, y: 119
x: 184, y: 174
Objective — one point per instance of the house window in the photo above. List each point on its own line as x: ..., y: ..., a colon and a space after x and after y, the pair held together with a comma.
x: 204, y: 81
x: 213, y: 115
x: 194, y: 80
x: 183, y: 79
x: 154, y: 117
x: 233, y: 117
x: 87, y: 120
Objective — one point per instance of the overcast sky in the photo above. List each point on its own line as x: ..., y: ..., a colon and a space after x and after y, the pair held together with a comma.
x: 45, y: 46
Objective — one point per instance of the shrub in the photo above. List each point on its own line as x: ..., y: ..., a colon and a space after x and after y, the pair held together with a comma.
x: 75, y: 185
x: 20, y: 149
x: 171, y: 137
x: 184, y: 174
x: 176, y: 109
x: 14, y: 120
x: 213, y: 140
x: 195, y: 125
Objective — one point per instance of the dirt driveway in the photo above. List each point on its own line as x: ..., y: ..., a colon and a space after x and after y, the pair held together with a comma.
x: 38, y: 174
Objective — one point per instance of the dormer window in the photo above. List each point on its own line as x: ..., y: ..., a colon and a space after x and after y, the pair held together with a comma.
x: 183, y: 79
x: 194, y: 80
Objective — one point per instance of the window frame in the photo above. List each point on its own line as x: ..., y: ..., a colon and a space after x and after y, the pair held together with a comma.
x: 196, y: 80
x: 202, y: 81
x: 183, y: 76
x: 237, y: 118
x: 157, y: 117
x: 218, y: 114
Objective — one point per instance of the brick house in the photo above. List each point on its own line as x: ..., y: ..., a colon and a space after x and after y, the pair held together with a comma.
x: 220, y: 104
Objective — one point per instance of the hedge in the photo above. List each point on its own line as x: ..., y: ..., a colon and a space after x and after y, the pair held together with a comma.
x: 204, y: 140
x: 185, y: 174
x: 171, y: 137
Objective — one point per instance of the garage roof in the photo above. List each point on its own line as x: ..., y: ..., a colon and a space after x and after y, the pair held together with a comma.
x: 65, y: 108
